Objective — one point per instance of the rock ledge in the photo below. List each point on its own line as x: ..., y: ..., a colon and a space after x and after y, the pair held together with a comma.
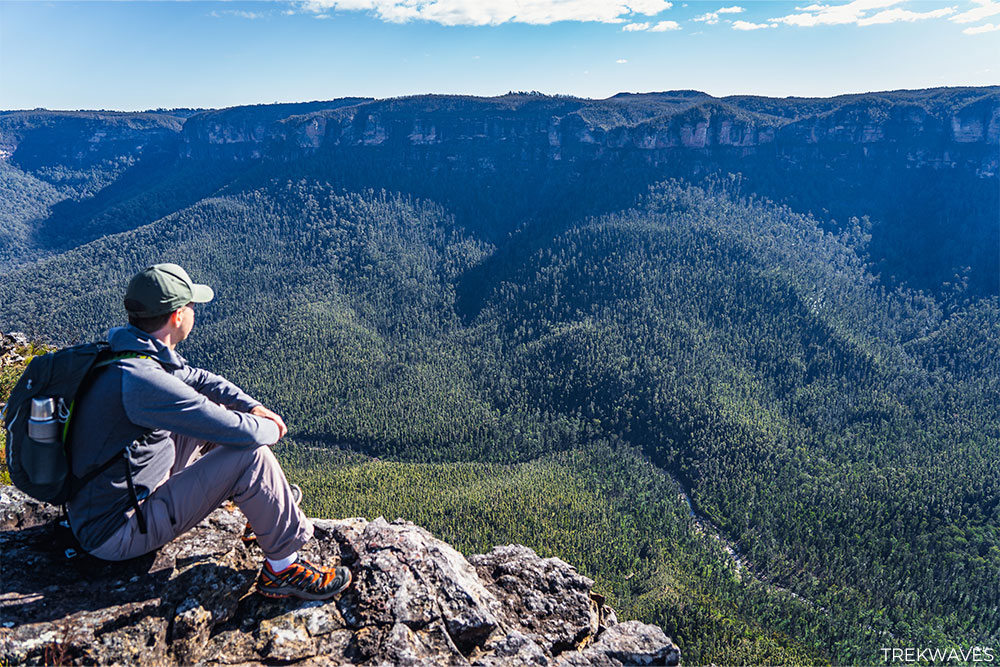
x: 414, y: 600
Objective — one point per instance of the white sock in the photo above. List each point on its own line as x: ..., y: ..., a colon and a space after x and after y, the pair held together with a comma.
x: 279, y: 565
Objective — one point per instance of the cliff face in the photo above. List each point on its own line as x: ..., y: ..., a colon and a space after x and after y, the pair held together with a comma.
x: 251, y: 129
x: 940, y: 128
x: 35, y: 139
x: 414, y: 600
x: 651, y: 128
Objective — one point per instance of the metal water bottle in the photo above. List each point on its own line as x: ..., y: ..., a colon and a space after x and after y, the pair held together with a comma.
x: 42, y: 424
x: 45, y: 460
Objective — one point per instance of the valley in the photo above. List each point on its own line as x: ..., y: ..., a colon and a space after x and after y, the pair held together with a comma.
x: 738, y: 359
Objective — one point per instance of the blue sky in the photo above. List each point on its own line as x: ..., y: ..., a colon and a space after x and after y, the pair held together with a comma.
x: 133, y: 55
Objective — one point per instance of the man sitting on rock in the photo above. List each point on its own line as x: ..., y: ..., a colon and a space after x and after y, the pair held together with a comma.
x: 196, y: 440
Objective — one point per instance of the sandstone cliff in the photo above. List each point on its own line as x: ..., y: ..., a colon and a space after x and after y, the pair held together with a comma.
x: 939, y: 128
x: 41, y: 138
x: 939, y: 131
x: 414, y: 600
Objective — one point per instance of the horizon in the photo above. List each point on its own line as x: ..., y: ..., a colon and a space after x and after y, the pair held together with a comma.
x: 507, y: 94
x: 137, y: 56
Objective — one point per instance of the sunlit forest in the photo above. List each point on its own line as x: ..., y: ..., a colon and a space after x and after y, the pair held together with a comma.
x: 705, y: 396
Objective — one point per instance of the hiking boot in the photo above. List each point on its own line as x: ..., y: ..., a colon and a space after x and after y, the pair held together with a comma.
x: 248, y: 534
x: 304, y: 580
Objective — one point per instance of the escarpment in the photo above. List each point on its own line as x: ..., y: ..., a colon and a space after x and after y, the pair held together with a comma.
x: 944, y: 128
x: 649, y: 129
x: 414, y: 600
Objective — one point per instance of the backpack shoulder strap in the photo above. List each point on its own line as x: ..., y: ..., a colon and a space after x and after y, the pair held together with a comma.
x: 113, y: 357
x: 105, y: 359
x: 81, y: 482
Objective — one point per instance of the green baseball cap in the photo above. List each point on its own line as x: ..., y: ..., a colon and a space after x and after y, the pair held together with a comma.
x: 162, y: 289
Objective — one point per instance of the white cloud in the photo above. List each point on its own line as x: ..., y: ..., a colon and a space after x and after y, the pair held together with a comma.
x: 628, y: 13
x: 494, y: 12
x: 235, y: 12
x: 648, y: 7
x: 711, y: 18
x: 986, y: 9
x: 746, y: 25
x: 850, y: 12
x: 860, y: 12
x: 621, y: 61
x: 323, y: 5
x: 979, y: 29
x: 894, y: 15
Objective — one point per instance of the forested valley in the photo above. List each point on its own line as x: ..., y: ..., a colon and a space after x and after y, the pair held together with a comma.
x: 709, y: 401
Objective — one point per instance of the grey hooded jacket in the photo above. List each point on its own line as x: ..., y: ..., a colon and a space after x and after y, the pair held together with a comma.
x: 129, y: 398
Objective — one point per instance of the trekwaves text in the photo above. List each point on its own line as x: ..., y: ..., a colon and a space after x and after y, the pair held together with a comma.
x: 973, y: 654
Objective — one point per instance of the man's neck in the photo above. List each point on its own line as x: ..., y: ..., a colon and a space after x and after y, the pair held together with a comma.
x: 166, y: 337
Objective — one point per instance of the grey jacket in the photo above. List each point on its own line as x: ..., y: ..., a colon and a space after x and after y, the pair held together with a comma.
x: 125, y: 401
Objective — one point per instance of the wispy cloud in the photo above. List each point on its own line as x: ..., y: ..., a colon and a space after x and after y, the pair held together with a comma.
x: 858, y: 12
x: 894, y: 15
x: 985, y: 9
x: 979, y: 29
x: 633, y: 15
x: 746, y: 25
x: 239, y: 13
x: 661, y: 26
x: 816, y: 14
x: 621, y: 61
x: 711, y: 18
x: 495, y: 12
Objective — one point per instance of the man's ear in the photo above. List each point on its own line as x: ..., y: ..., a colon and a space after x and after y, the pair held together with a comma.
x: 175, y: 318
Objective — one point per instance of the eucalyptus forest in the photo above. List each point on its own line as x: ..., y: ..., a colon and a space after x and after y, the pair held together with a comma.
x: 753, y: 393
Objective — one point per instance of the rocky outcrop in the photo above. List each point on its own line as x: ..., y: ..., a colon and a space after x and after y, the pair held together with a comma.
x: 11, y: 346
x: 414, y: 600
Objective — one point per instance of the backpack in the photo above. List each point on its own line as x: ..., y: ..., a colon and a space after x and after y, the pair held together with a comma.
x: 40, y: 469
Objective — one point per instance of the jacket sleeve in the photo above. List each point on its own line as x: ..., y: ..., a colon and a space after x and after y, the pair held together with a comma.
x: 155, y: 399
x: 217, y: 389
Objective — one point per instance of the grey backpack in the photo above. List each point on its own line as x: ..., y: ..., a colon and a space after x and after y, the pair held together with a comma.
x: 37, y: 418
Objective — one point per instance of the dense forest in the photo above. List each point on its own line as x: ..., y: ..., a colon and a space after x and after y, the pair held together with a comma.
x: 714, y: 403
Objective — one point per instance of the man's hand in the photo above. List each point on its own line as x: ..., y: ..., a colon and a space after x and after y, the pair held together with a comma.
x: 261, y: 411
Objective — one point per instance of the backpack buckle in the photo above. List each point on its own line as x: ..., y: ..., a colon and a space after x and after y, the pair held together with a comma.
x: 62, y: 411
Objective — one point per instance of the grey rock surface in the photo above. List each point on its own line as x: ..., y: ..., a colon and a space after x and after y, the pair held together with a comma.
x: 415, y: 601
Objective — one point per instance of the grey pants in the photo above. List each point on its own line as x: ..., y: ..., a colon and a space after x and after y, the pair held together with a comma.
x: 203, y: 476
